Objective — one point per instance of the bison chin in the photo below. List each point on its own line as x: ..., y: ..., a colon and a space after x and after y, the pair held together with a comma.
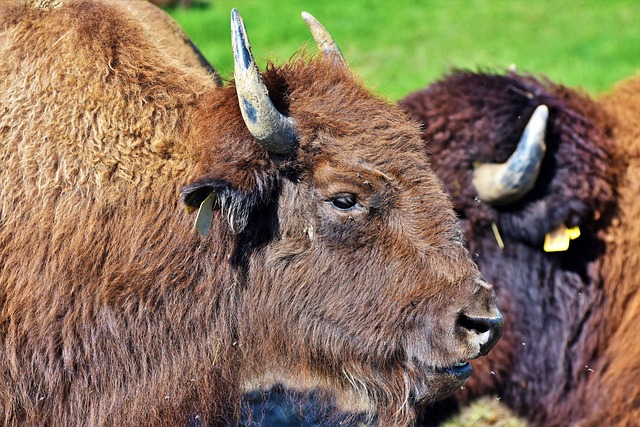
x: 435, y: 368
x: 394, y: 396
x: 428, y: 374
x: 425, y: 383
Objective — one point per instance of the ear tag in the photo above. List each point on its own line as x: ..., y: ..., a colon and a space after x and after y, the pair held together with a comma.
x: 205, y: 215
x: 574, y: 232
x: 558, y: 240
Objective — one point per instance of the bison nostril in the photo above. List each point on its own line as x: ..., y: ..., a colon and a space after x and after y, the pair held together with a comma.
x: 486, y: 330
x: 478, y: 325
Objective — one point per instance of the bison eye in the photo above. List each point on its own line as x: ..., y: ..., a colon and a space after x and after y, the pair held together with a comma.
x: 344, y: 202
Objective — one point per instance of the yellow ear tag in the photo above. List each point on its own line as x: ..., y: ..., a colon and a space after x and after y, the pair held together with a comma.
x: 558, y: 240
x: 205, y: 215
x: 574, y: 232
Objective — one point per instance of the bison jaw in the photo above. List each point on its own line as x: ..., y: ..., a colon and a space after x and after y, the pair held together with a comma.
x: 429, y: 384
x: 352, y: 398
x: 400, y: 390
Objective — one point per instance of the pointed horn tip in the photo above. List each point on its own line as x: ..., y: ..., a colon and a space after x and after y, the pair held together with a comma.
x: 237, y: 24
x: 538, y: 119
x: 242, y: 57
x: 541, y: 112
x: 313, y: 24
x: 323, y: 39
x: 309, y: 19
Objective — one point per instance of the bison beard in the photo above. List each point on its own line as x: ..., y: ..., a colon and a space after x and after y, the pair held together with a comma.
x: 333, y: 260
x: 570, y: 354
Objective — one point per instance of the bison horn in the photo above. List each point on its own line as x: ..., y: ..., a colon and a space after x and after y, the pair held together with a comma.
x: 275, y: 131
x: 504, y: 183
x: 323, y: 39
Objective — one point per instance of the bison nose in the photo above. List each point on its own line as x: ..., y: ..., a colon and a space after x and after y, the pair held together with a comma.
x: 483, y: 331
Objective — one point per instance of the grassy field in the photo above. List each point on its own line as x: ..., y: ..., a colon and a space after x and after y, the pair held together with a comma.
x: 398, y: 46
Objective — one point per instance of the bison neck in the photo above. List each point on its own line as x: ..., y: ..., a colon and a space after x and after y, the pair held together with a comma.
x: 118, y: 303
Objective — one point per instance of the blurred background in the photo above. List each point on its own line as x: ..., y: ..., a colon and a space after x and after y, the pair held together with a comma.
x: 400, y: 46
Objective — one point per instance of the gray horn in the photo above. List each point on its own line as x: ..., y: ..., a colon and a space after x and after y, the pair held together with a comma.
x: 323, y: 39
x: 504, y: 183
x: 275, y: 131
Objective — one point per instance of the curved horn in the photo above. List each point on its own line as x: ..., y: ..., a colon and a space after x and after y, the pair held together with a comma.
x: 504, y: 183
x: 275, y: 131
x: 323, y: 39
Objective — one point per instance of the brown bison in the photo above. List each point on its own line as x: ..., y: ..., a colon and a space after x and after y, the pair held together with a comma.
x: 331, y: 257
x: 171, y: 38
x: 571, y: 353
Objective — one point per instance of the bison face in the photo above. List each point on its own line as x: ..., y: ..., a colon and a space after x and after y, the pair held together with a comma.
x: 370, y: 287
x: 351, y: 269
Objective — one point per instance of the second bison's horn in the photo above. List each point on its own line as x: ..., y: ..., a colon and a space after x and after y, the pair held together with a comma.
x: 275, y: 131
x: 504, y: 183
x: 323, y: 39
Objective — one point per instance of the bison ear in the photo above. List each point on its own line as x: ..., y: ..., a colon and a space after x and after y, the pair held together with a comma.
x: 194, y: 194
x: 208, y: 195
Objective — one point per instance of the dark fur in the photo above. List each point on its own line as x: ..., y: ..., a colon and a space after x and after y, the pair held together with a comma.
x: 571, y: 349
x: 114, y: 311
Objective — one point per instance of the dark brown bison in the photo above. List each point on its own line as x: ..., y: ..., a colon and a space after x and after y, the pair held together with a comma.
x: 571, y: 353
x: 331, y: 256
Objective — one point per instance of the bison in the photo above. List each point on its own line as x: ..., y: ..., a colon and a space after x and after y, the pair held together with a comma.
x: 570, y: 354
x: 172, y: 38
x: 328, y: 254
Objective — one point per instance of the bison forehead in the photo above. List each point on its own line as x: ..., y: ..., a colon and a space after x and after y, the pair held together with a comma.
x: 324, y: 98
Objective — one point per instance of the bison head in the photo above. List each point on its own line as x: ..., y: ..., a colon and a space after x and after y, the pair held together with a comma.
x: 474, y: 126
x: 350, y: 271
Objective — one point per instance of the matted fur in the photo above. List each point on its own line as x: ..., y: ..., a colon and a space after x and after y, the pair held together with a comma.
x: 114, y: 311
x: 570, y: 353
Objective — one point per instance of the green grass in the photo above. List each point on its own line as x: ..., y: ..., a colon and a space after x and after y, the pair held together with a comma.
x: 398, y: 46
x: 486, y: 412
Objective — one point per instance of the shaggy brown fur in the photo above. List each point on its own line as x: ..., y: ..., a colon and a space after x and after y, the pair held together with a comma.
x: 615, y: 393
x: 114, y: 311
x: 170, y: 37
x: 570, y: 355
